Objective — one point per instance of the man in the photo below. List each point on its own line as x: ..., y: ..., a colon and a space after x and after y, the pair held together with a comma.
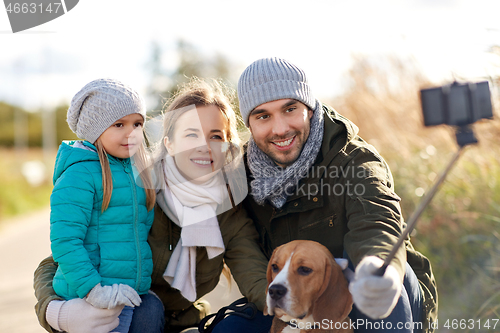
x: 312, y: 177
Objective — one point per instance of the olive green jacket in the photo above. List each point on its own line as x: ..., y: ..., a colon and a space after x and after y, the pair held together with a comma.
x: 242, y: 255
x: 347, y: 203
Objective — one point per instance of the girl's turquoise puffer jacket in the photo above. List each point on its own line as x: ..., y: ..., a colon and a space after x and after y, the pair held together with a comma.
x: 93, y: 247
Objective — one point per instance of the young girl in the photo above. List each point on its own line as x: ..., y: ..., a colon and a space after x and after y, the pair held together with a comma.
x: 100, y: 218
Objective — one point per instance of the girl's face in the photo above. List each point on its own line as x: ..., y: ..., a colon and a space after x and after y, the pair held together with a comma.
x: 199, y: 142
x: 123, y: 138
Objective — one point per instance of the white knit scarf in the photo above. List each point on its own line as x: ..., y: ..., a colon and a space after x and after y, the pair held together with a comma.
x: 193, y: 208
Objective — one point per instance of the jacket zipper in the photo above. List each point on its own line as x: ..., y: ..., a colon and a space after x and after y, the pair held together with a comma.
x: 170, y: 240
x: 136, y: 218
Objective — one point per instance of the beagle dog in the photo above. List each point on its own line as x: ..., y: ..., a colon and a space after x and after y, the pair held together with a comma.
x: 307, y: 290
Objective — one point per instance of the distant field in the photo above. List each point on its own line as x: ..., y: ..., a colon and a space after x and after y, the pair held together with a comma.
x: 17, y: 195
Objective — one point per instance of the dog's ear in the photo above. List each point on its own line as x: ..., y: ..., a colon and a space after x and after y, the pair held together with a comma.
x: 327, y: 277
x: 335, y: 301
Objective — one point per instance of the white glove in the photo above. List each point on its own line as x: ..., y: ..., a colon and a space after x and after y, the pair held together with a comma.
x: 108, y: 297
x: 78, y: 316
x: 375, y: 296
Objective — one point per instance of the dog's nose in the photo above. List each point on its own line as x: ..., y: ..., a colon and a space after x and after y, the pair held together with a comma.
x: 277, y: 291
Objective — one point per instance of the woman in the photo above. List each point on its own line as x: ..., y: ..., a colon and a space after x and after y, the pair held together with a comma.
x: 197, y: 155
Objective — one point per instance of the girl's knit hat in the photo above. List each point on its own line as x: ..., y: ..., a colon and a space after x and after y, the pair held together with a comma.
x: 99, y: 104
x: 270, y: 79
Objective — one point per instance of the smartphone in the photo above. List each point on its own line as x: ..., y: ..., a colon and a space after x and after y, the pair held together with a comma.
x: 456, y: 104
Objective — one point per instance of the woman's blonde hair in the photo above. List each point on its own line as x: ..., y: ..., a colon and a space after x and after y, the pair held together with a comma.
x: 141, y: 162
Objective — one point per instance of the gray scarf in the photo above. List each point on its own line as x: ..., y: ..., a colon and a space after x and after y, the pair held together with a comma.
x: 272, y: 182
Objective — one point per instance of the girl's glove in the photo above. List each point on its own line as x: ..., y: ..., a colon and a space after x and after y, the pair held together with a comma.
x: 108, y: 297
x: 78, y: 316
x: 375, y: 296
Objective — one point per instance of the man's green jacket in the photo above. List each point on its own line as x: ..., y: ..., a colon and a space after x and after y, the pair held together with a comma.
x: 347, y: 203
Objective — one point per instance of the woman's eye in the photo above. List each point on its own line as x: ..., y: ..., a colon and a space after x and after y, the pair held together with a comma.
x: 216, y: 137
x: 191, y: 135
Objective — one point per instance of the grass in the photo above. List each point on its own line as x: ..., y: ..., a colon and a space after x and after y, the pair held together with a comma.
x: 17, y: 196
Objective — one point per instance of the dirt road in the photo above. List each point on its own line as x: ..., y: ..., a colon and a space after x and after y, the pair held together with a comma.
x: 24, y: 242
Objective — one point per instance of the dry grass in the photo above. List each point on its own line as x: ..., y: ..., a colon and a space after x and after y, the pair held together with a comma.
x: 457, y: 231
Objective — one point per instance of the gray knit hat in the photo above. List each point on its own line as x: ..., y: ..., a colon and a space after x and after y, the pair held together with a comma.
x: 99, y: 104
x: 270, y: 79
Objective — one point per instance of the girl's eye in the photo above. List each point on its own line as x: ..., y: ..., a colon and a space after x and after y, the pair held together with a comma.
x: 118, y: 125
x: 138, y: 124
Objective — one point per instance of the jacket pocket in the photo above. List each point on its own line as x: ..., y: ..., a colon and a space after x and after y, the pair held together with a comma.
x: 327, y: 221
x: 328, y: 231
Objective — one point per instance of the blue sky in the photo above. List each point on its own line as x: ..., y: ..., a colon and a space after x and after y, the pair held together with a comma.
x: 47, y: 65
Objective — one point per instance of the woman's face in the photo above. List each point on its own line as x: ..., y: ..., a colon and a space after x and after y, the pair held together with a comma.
x: 199, y: 142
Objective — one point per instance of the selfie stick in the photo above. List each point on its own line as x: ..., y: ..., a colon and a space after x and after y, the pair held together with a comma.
x: 413, y: 219
x: 459, y: 105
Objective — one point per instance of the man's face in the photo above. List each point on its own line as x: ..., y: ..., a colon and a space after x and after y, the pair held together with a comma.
x: 280, y: 129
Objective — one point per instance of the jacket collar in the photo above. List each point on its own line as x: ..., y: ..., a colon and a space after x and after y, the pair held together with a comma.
x: 339, y: 131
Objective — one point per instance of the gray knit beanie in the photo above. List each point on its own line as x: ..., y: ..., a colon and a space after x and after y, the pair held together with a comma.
x: 99, y: 104
x: 270, y: 79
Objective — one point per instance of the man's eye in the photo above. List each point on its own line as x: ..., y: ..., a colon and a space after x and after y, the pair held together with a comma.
x: 291, y: 109
x: 263, y: 117
x: 275, y: 268
x: 303, y: 270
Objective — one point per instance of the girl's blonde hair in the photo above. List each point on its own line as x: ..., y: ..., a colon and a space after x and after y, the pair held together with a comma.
x: 141, y: 162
